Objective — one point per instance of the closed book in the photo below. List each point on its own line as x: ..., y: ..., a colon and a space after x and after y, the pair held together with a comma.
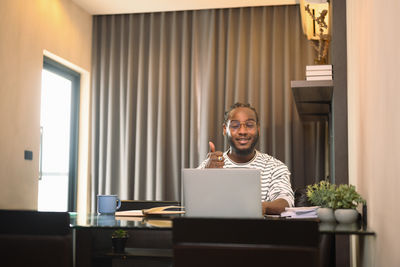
x: 319, y: 78
x: 165, y: 210
x: 318, y: 72
x: 318, y: 67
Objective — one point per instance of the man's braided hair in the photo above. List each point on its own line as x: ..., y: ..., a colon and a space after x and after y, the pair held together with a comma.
x: 239, y: 105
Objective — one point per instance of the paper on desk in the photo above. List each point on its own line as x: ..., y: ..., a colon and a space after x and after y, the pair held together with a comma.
x: 300, y: 212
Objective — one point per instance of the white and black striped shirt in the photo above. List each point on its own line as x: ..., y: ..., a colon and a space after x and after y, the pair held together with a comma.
x: 275, y: 176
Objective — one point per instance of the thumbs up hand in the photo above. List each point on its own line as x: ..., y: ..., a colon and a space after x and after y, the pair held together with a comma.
x: 215, y: 158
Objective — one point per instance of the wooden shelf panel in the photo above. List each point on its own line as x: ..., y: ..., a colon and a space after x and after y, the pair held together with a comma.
x: 313, y: 98
x: 304, y: 83
x: 314, y: 118
x: 313, y: 108
x: 312, y: 91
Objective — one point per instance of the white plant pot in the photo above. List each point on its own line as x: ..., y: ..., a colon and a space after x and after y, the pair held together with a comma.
x: 326, y: 215
x: 346, y: 215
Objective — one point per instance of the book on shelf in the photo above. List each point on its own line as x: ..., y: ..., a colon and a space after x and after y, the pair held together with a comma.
x: 166, y: 210
x: 319, y: 67
x: 319, y: 78
x: 318, y: 72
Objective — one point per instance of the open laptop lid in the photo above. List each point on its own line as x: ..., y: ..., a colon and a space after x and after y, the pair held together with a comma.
x: 223, y: 193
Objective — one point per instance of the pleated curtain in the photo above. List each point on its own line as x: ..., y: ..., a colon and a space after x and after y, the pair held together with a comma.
x: 162, y: 81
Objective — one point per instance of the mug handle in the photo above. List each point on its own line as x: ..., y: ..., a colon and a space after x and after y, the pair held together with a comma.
x: 118, y: 203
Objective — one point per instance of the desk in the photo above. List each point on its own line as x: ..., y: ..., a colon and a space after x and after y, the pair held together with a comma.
x: 150, y: 243
x: 151, y: 239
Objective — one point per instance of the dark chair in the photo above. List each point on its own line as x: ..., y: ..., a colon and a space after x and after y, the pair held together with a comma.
x: 32, y: 238
x: 244, y: 242
x: 145, y: 204
x: 300, y: 198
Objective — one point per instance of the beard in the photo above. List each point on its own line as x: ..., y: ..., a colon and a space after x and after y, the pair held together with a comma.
x: 243, y: 152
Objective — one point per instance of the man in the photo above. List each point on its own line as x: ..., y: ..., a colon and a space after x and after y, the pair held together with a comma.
x: 242, y: 129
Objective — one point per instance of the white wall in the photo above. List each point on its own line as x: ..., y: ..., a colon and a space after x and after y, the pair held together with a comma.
x: 27, y: 28
x: 374, y: 121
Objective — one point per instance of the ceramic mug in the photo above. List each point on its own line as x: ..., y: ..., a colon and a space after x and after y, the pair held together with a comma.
x: 108, y: 204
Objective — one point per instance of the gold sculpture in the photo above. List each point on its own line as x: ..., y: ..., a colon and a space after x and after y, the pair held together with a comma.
x: 320, y: 44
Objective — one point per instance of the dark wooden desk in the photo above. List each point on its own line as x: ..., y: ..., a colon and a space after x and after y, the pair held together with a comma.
x: 150, y: 242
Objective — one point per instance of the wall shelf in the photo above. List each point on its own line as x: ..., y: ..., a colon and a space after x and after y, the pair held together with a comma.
x: 313, y: 99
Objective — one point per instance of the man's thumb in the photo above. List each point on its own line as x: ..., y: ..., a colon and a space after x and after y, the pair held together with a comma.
x: 212, y: 146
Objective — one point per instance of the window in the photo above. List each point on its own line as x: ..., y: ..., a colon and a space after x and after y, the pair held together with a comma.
x: 59, y: 136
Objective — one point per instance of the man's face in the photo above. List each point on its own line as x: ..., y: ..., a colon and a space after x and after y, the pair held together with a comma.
x: 242, y: 130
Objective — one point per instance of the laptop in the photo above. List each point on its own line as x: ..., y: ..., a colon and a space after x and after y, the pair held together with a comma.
x: 222, y: 193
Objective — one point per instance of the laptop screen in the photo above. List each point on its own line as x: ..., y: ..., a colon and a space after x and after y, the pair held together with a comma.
x: 223, y: 193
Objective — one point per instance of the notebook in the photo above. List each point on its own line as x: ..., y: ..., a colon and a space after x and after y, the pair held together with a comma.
x: 222, y: 193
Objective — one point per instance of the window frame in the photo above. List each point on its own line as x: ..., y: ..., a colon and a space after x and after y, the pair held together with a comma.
x: 75, y: 77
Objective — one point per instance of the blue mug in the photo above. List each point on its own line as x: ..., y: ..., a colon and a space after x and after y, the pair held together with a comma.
x: 108, y: 204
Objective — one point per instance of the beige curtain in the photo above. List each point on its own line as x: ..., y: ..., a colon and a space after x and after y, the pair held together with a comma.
x: 162, y: 81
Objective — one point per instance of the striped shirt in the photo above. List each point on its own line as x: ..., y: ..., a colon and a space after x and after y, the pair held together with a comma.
x: 275, y: 176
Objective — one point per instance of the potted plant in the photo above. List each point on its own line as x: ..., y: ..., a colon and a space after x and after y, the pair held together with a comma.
x: 119, y: 238
x: 346, y: 201
x: 323, y: 195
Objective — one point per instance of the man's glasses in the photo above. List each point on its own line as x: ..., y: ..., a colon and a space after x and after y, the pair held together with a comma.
x: 235, y: 125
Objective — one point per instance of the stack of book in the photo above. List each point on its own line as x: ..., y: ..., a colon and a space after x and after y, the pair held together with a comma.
x: 318, y: 72
x: 300, y: 212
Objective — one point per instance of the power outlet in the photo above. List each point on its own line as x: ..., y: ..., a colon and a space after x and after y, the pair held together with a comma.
x: 28, y: 155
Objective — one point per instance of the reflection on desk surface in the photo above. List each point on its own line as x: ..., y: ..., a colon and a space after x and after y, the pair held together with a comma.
x: 78, y: 220
x: 346, y: 229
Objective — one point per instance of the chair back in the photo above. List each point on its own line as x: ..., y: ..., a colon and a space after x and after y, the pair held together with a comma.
x: 32, y: 238
x: 29, y: 222
x: 245, y: 242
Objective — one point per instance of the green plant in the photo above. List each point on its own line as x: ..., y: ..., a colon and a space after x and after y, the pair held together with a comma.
x: 322, y: 194
x: 346, y: 197
x: 120, y: 234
